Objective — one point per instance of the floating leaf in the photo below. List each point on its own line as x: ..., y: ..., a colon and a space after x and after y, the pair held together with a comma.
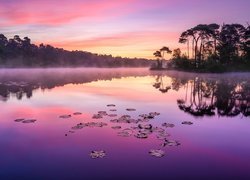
x: 77, y: 113
x: 146, y: 126
x: 97, y: 154
x: 146, y: 116
x: 65, y: 116
x: 78, y: 126
x: 97, y: 116
x: 103, y: 113
x: 159, y: 130
x: 131, y: 109
x: 125, y: 116
x: 18, y: 120
x: 112, y: 115
x: 141, y: 135
x: 112, y: 110
x: 111, y: 105
x: 154, y: 114
x: 146, y: 131
x: 143, y: 115
x: 168, y: 125
x: 29, y: 121
x: 116, y: 127
x: 162, y: 136
x: 125, y: 132
x: 171, y: 143
x: 157, y: 153
x: 187, y: 122
x: 96, y: 124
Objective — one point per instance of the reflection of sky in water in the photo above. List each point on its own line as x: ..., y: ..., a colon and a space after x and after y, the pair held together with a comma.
x: 212, y: 147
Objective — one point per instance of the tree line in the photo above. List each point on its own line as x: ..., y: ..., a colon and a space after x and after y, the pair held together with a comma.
x: 17, y: 52
x: 211, y: 47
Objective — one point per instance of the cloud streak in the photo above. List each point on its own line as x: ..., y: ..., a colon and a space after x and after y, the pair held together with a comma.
x: 56, y: 13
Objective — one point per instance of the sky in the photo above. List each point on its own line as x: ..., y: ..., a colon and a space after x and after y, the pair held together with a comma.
x: 127, y: 28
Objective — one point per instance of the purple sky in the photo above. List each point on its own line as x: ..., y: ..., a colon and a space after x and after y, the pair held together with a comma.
x: 125, y: 27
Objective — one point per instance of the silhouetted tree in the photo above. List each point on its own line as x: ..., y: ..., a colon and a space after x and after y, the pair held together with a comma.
x: 231, y: 40
x: 177, y: 53
x: 17, y: 52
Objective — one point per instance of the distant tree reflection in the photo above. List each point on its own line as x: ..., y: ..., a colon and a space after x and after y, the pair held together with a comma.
x: 18, y: 89
x: 205, y: 97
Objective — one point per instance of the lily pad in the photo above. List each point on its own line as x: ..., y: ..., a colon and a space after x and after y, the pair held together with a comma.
x: 65, y: 116
x: 154, y: 113
x: 78, y: 126
x: 125, y: 132
x: 116, y: 127
x: 96, y: 124
x: 19, y: 120
x: 158, y: 130
x: 143, y: 115
x: 125, y: 116
x: 97, y: 154
x: 157, y: 153
x: 171, y: 143
x: 145, y: 126
x: 131, y: 109
x: 162, y: 136
x: 146, y: 131
x: 168, y: 125
x: 111, y: 105
x: 97, y: 116
x: 103, y: 113
x: 112, y: 115
x: 187, y: 123
x: 141, y: 135
x: 146, y: 116
x: 77, y: 113
x: 29, y: 121
x: 113, y: 110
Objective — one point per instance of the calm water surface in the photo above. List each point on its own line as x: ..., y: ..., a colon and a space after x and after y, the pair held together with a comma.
x: 215, y: 146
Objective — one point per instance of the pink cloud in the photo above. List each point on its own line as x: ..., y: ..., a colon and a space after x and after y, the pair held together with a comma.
x: 56, y: 13
x: 121, y: 39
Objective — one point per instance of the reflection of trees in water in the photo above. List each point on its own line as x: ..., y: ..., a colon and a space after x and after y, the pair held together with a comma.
x: 17, y: 89
x: 22, y: 83
x: 233, y: 99
x: 209, y: 97
x: 199, y: 98
x: 160, y: 85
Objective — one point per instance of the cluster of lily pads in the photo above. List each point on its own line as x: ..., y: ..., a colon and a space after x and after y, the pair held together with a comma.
x: 66, y: 116
x: 140, y: 128
x: 22, y: 120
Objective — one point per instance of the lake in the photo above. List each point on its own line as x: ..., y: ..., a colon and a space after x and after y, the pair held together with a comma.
x: 123, y: 124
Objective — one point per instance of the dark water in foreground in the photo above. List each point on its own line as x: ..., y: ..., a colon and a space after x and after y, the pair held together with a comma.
x: 215, y: 146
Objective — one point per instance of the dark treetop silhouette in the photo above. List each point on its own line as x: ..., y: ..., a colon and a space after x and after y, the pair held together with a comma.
x: 212, y: 48
x: 17, y: 52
